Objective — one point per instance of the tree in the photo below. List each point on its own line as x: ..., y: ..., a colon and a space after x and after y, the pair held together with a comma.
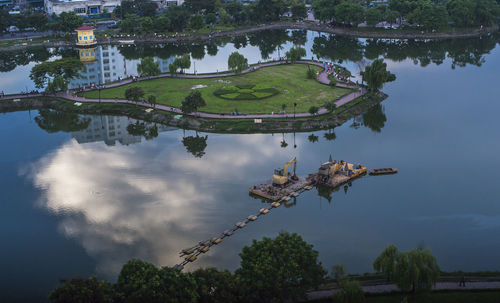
x: 53, y: 121
x: 375, y: 118
x: 373, y: 16
x: 330, y: 135
x: 196, y: 6
x: 280, y: 269
x: 330, y: 106
x: 350, y: 292
x: 376, y: 75
x: 461, y: 12
x: 386, y: 262
x: 4, y: 20
x: 268, y: 10
x: 210, y: 18
x: 146, y: 24
x: 416, y: 270
x: 56, y: 85
x: 148, y: 67
x: 131, y: 24
x: 324, y: 10
x: 237, y: 62
x: 179, y: 17
x: 146, y: 8
x: 313, y: 138
x: 192, y: 102
x: 295, y: 54
x: 215, y: 286
x: 134, y: 93
x: 486, y: 12
x: 299, y: 10
x: 196, y: 22
x: 183, y: 62
x: 428, y: 14
x: 66, y: 68
x: 68, y: 21
x: 313, y: 110
x: 151, y: 99
x: 161, y: 23
x: 38, y: 21
x: 195, y: 145
x: 141, y: 281
x: 349, y: 13
x: 80, y: 290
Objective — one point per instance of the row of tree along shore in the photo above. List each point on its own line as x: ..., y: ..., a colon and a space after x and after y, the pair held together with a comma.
x: 199, y: 19
x: 283, y: 269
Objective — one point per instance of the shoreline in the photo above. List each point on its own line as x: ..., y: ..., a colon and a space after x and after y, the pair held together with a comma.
x: 237, y: 32
x: 208, y: 125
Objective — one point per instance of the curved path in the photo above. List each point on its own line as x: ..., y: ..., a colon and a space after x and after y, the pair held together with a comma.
x: 390, y: 288
x: 322, y: 78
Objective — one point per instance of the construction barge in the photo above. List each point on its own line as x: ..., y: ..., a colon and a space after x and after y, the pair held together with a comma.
x: 284, y: 184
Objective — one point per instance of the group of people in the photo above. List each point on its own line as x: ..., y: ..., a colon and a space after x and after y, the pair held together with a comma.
x: 331, y: 69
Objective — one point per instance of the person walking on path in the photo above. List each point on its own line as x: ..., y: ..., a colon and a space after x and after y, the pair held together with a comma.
x: 462, y: 281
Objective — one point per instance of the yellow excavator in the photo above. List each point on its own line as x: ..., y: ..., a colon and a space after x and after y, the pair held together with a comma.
x: 280, y: 176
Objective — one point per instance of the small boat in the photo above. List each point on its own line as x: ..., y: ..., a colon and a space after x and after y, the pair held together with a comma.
x: 240, y: 224
x: 203, y: 249
x: 383, y: 171
x: 275, y: 204
x: 228, y: 232
x: 286, y: 199
x: 126, y: 41
x: 252, y: 218
x: 215, y: 241
x: 204, y: 243
x: 188, y: 251
x: 190, y: 258
x: 263, y: 211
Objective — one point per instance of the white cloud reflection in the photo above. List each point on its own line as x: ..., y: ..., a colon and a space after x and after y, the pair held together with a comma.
x: 143, y: 201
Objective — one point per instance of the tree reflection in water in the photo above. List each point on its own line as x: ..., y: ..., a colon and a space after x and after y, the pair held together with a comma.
x: 195, y: 145
x: 375, y: 118
x: 53, y: 121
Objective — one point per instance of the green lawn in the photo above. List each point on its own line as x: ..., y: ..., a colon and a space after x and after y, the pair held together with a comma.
x: 290, y: 80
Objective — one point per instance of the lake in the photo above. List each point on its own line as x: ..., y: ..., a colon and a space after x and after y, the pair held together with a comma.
x: 80, y: 201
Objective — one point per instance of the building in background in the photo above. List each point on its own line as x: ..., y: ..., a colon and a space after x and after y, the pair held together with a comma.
x: 80, y: 7
x: 85, y: 36
x: 105, y: 64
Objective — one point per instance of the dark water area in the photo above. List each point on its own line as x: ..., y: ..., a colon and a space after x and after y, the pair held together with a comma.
x: 83, y: 195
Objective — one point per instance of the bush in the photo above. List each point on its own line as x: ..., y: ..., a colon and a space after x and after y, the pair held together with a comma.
x: 310, y: 74
x: 313, y: 110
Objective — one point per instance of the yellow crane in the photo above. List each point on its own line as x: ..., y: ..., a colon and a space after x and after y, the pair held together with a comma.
x: 280, y: 176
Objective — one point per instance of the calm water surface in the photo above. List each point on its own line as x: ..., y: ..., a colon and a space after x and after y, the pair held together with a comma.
x: 85, y: 200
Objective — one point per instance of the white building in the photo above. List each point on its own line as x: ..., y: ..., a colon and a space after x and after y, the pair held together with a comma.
x: 105, y: 64
x: 80, y: 7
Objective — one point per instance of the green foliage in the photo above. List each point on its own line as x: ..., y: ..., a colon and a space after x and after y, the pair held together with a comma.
x: 237, y: 62
x: 376, y: 75
x: 53, y: 121
x: 313, y: 138
x: 350, y: 292
x: 143, y: 129
x: 245, y: 92
x: 214, y: 285
x: 196, y: 22
x: 196, y: 146
x: 66, y: 68
x: 299, y: 10
x: 192, y: 102
x: 311, y: 73
x: 134, y: 93
x: 148, y: 67
x: 324, y: 10
x: 131, y: 24
x: 78, y: 290
x: 161, y: 23
x: 147, y: 24
x: 268, y: 10
x: 429, y: 15
x: 183, y: 62
x: 386, y: 261
x: 416, y: 270
x: 141, y: 281
x: 375, y: 118
x: 4, y: 20
x: 56, y: 85
x: 151, y: 99
x: 179, y: 17
x: 349, y: 13
x: 210, y: 18
x: 330, y: 135
x: 313, y: 110
x: 68, y: 22
x: 295, y: 54
x: 331, y: 106
x: 279, y: 269
x: 39, y: 21
x: 373, y: 16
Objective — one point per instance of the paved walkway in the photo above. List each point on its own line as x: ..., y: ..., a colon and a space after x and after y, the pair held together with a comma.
x: 322, y: 77
x: 388, y: 288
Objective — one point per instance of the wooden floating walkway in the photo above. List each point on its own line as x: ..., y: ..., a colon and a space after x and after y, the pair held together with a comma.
x: 192, y: 253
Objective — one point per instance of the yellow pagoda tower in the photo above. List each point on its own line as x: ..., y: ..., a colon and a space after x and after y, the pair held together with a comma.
x: 86, y: 36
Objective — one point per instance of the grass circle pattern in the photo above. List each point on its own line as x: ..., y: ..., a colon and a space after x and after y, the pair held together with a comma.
x: 245, y: 92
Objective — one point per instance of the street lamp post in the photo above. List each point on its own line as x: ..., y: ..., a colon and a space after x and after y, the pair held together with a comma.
x: 99, y: 89
x: 294, y: 106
